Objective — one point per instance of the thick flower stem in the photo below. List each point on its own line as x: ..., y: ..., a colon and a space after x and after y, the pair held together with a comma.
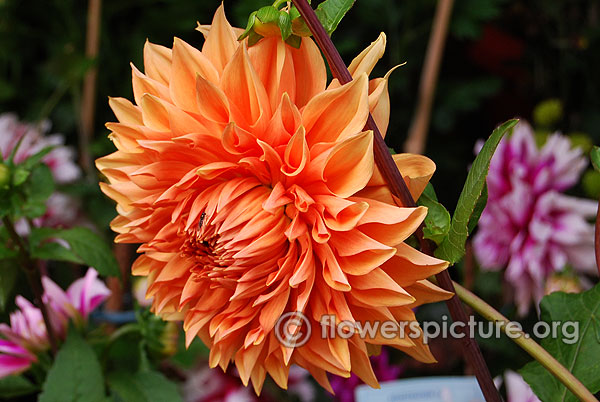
x: 33, y: 277
x: 398, y: 187
x: 526, y: 343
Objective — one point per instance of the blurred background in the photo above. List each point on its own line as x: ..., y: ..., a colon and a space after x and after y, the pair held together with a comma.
x: 535, y: 59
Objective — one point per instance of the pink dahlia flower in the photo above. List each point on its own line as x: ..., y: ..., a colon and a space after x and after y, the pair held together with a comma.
x: 14, y: 359
x: 60, y: 160
x: 528, y: 225
x: 81, y: 298
x: 27, y: 334
x: 61, y: 210
x: 517, y: 390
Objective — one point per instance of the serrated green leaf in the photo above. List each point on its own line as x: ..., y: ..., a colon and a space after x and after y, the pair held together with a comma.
x: 580, y: 357
x: 91, y: 249
x: 437, y: 221
x: 15, y: 386
x: 9, y: 272
x: 285, y: 24
x: 479, y: 207
x: 143, y: 386
x: 331, y: 12
x: 452, y: 249
x: 595, y: 157
x: 55, y: 252
x: 76, y: 375
x: 85, y: 247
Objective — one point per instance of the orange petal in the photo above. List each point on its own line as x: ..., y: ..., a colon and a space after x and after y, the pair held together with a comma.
x: 409, y: 265
x: 157, y: 62
x: 366, y: 60
x: 348, y: 103
x: 349, y: 166
x: 125, y: 111
x: 416, y: 171
x: 221, y: 41
x: 188, y: 62
x: 245, y: 91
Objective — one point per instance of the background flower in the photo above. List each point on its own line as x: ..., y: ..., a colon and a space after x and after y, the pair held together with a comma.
x: 344, y: 387
x: 529, y: 226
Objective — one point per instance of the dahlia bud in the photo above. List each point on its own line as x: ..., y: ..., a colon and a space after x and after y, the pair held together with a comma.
x: 4, y: 176
x: 269, y: 21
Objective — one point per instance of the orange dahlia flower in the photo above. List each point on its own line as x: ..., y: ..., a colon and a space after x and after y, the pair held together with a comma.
x: 253, y: 191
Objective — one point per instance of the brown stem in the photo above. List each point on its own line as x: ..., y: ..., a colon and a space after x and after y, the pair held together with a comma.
x: 34, y: 279
x: 398, y: 187
x: 88, y: 101
x: 597, y: 238
x: 417, y: 135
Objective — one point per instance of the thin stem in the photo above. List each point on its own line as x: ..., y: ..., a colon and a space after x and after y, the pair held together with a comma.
x: 398, y: 187
x: 526, y: 343
x: 417, y: 135
x: 34, y: 278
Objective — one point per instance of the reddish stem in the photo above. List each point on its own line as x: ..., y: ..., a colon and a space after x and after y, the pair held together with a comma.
x: 398, y: 187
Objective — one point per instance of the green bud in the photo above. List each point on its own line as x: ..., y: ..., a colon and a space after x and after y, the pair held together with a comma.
x: 548, y: 113
x: 4, y: 176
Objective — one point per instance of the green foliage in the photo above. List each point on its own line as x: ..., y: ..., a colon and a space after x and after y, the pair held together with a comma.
x: 331, y: 12
x: 452, y: 247
x: 437, y: 221
x: 15, y: 386
x: 595, y: 157
x: 38, y: 188
x: 143, y: 386
x: 581, y: 357
x: 85, y: 247
x: 76, y: 375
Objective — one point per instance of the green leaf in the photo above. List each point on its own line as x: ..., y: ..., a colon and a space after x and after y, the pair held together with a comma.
x: 19, y: 176
x: 479, y: 207
x: 285, y: 24
x: 143, y: 386
x: 34, y: 159
x: 580, y: 357
x: 91, y: 249
x: 9, y: 272
x: 268, y: 14
x: 452, y: 248
x: 331, y: 12
x: 437, y: 221
x: 595, y: 157
x: 38, y: 188
x: 14, y: 386
x: 76, y: 375
x: 55, y: 252
x: 249, y: 26
x: 85, y: 247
